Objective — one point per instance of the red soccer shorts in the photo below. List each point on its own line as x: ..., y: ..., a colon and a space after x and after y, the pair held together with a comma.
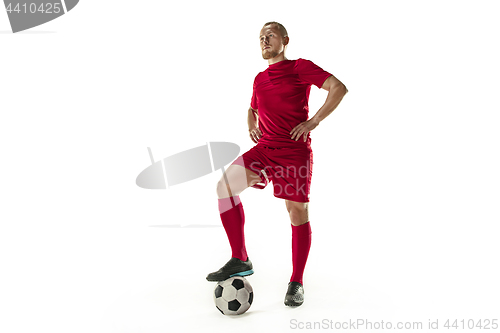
x: 290, y: 170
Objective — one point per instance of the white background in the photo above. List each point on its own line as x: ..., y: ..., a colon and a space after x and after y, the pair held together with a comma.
x: 405, y: 191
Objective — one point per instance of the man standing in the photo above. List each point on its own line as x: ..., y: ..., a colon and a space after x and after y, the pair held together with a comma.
x: 278, y: 123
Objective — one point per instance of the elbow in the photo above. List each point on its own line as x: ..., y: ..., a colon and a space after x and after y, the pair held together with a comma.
x: 345, y: 89
x: 339, y: 87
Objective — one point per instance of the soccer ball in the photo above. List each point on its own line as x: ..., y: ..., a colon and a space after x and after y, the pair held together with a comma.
x: 233, y: 296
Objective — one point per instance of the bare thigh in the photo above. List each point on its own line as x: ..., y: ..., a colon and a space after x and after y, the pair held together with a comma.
x: 235, y: 180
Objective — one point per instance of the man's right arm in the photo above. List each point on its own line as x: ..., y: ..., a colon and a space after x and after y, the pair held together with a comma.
x: 253, y: 125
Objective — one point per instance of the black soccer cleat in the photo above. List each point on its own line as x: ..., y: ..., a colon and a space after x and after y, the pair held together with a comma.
x: 295, y: 294
x: 234, y: 267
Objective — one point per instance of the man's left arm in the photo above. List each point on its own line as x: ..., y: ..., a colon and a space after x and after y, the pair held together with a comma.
x: 336, y: 91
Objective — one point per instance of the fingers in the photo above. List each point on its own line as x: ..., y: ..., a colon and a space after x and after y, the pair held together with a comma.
x: 255, y: 135
x: 297, y: 132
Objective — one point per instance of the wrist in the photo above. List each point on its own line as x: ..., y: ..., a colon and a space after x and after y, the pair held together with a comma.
x: 315, y: 120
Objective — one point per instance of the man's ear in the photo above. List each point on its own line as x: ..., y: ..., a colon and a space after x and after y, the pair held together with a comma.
x: 286, y: 40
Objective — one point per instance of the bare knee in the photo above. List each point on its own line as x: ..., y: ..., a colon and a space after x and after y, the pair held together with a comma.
x: 298, y: 212
x: 233, y: 182
x: 223, y: 190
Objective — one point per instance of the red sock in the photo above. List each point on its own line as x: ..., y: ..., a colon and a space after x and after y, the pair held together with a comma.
x: 301, y: 242
x: 233, y: 220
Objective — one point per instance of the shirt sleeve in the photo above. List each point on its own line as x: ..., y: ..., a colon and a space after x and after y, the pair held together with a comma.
x: 253, y: 102
x: 311, y: 73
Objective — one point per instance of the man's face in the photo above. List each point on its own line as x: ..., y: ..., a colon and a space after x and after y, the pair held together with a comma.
x: 271, y: 41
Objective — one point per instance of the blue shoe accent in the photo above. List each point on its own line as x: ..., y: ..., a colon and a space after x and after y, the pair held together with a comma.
x: 234, y: 267
x: 245, y: 273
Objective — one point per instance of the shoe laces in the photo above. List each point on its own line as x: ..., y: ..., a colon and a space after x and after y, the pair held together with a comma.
x: 295, y: 289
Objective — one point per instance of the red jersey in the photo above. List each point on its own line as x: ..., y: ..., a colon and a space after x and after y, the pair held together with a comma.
x: 281, y: 95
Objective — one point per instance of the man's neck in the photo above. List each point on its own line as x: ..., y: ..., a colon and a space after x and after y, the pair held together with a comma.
x: 278, y: 58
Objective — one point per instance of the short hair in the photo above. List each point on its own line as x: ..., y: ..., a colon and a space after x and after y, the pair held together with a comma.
x: 280, y: 27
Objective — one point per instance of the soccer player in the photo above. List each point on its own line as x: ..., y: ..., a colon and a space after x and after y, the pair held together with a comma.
x: 278, y: 123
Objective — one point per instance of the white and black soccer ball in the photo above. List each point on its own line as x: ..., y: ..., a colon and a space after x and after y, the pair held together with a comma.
x: 233, y: 296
